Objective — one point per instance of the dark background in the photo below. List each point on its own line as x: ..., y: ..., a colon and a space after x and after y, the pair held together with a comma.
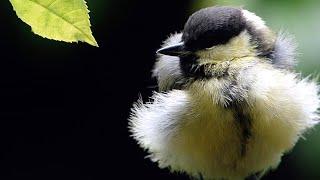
x: 64, y: 107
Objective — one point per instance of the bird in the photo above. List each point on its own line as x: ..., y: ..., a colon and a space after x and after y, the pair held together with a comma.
x: 229, y: 102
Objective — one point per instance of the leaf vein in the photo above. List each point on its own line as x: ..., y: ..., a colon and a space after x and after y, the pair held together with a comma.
x: 72, y: 11
x: 54, y: 1
x: 64, y: 19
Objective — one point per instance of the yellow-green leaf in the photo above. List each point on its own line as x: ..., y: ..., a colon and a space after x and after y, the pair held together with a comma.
x: 62, y: 20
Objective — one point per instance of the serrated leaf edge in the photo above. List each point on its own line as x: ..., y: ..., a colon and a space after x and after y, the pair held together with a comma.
x: 92, y: 41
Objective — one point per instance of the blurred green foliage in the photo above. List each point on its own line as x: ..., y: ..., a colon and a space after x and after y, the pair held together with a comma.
x: 301, y: 19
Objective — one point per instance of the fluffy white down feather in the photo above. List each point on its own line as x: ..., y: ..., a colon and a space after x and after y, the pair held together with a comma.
x: 167, y: 68
x: 187, y: 131
x: 190, y: 131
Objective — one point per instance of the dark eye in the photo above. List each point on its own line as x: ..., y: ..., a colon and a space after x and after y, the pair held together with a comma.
x: 212, y: 26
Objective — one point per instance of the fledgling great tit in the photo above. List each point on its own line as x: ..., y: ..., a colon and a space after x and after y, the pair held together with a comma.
x: 229, y: 103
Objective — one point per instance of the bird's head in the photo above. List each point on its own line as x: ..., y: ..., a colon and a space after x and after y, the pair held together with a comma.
x: 216, y: 36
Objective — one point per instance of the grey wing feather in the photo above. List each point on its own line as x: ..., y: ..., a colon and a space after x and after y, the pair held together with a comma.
x: 285, y: 51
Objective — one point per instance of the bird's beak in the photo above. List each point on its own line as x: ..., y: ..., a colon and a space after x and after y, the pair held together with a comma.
x: 174, y: 50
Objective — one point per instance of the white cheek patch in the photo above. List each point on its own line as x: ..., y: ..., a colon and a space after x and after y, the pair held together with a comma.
x: 238, y: 47
x: 252, y: 18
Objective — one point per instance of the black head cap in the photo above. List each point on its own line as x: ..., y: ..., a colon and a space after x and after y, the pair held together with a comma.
x: 212, y: 26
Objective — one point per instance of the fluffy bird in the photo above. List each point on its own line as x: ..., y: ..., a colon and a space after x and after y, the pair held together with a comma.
x: 229, y: 103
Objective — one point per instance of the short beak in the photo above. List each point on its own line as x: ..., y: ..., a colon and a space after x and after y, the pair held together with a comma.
x: 174, y: 50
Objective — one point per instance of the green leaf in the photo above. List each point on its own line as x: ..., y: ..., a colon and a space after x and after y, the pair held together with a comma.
x: 62, y: 20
